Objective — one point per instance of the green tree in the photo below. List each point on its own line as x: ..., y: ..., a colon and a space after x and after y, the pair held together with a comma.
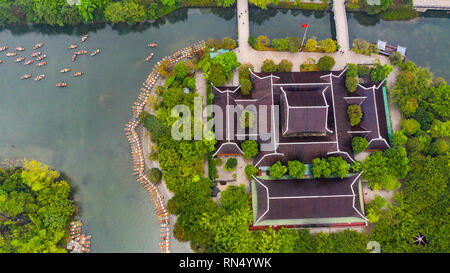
x: 338, y: 166
x: 284, y: 66
x: 250, y: 148
x: 381, y: 72
x: 410, y: 126
x: 231, y: 164
x: 359, y: 144
x: 296, y: 169
x: 155, y: 175
x: 351, y: 83
x: 321, y: 168
x: 246, y: 86
x: 251, y: 170
x: 354, y: 114
x: 234, y: 198
x: 277, y: 170
x: 396, y: 58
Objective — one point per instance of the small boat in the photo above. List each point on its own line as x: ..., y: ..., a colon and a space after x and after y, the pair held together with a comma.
x: 80, y: 52
x: 61, y: 84
x: 20, y: 48
x: 40, y: 77
x: 10, y: 54
x: 74, y: 57
x: 38, y: 45
x: 43, y: 56
x: 73, y: 46
x: 3, y: 48
x: 41, y: 64
x: 152, y: 45
x: 84, y: 37
x: 29, y: 62
x: 77, y: 74
x: 95, y: 52
x: 149, y: 57
x: 35, y: 54
x: 18, y: 60
x: 64, y: 70
x: 24, y: 77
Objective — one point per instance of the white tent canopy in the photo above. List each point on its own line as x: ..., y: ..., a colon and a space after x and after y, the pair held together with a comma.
x: 381, y: 45
x: 401, y: 50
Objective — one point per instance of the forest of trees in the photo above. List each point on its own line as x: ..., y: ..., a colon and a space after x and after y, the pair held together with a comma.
x: 35, y: 209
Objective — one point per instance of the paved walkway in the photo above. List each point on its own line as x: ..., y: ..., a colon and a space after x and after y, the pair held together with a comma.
x: 243, y: 31
x: 340, y: 19
x: 423, y: 5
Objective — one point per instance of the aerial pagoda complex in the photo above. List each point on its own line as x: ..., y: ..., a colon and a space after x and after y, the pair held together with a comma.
x: 304, y: 117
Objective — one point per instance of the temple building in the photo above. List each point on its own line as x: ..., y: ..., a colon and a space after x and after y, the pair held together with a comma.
x: 301, y: 116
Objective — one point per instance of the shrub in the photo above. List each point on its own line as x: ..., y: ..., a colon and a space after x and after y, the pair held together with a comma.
x: 311, y: 45
x: 250, y: 148
x: 309, y: 65
x: 363, y: 70
x: 247, y: 119
x: 212, y: 43
x: 250, y: 170
x: 284, y: 66
x: 326, y: 63
x: 231, y: 164
x: 262, y: 42
x: 178, y: 233
x: 155, y: 175
x: 296, y: 169
x: 351, y: 70
x: 243, y: 70
x: 228, y: 43
x: 277, y: 170
x: 351, y: 83
x: 280, y: 44
x: 362, y: 47
x: 328, y: 45
x: 269, y: 66
x: 355, y: 114
x: 396, y: 58
x: 359, y: 144
x: 218, y: 161
x: 251, y: 40
x: 294, y: 44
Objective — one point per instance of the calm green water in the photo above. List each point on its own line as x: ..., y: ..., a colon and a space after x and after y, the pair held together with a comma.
x: 79, y: 129
x: 426, y: 38
x: 279, y: 23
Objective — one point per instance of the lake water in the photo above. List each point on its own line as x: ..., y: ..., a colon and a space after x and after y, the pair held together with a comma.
x: 79, y: 129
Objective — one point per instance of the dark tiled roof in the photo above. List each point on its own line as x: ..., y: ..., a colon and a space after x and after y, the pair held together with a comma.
x: 308, y: 198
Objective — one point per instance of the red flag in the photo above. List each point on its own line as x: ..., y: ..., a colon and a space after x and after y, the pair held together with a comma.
x: 304, y: 25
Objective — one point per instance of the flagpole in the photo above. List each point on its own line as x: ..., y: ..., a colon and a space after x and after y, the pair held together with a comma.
x: 304, y: 35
